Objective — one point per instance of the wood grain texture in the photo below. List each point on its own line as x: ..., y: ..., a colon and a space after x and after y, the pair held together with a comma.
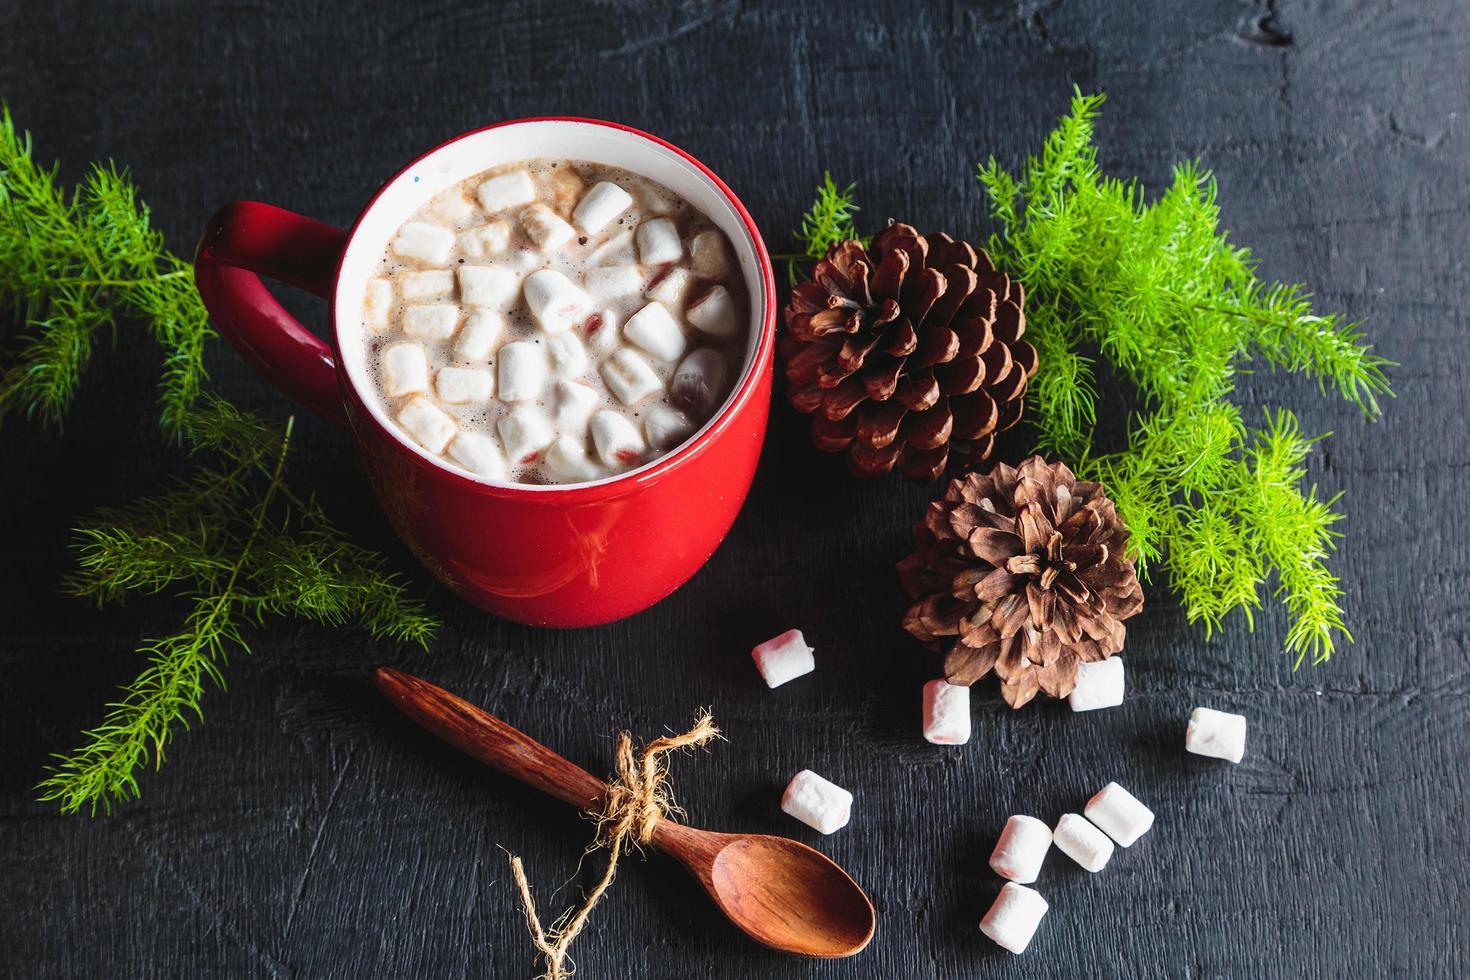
x: 305, y: 830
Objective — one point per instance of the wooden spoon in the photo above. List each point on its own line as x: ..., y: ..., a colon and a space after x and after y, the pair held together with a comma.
x: 780, y: 892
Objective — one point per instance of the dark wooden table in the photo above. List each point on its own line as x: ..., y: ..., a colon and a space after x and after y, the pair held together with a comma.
x: 305, y: 831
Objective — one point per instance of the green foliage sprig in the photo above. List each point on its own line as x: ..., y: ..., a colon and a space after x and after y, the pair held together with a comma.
x: 73, y: 264
x: 829, y: 220
x: 231, y: 538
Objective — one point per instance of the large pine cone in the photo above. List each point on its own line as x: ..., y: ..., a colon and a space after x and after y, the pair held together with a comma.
x: 1022, y: 571
x: 907, y: 354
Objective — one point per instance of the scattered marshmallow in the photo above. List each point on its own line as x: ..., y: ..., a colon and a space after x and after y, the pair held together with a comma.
x: 658, y: 242
x: 629, y: 377
x: 946, y: 713
x: 546, y: 228
x: 617, y: 250
x: 463, y: 386
x: 488, y: 286
x: 1099, y: 685
x: 1077, y: 838
x: 656, y: 331
x: 602, y: 331
x: 1021, y: 849
x: 423, y: 242
x: 428, y: 284
x: 618, y: 441
x: 430, y: 322
x: 1119, y: 814
x: 486, y: 240
x: 821, y: 805
x: 506, y: 191
x: 555, y: 301
x: 567, y: 459
x: 522, y: 369
x: 377, y: 305
x: 405, y: 370
x: 1013, y: 918
x: 568, y: 355
x: 666, y: 428
x: 714, y: 313
x: 525, y: 432
x: 575, y: 403
x: 454, y: 207
x: 604, y: 202
x: 480, y: 335
x: 784, y: 658
x: 1217, y: 734
x: 698, y: 381
x: 670, y: 288
x: 613, y: 281
x: 707, y: 255
x: 479, y: 454
x: 430, y: 426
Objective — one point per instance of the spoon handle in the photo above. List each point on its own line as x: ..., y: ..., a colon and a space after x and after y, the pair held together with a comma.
x: 480, y: 734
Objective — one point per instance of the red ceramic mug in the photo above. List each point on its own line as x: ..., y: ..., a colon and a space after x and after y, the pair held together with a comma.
x: 549, y: 555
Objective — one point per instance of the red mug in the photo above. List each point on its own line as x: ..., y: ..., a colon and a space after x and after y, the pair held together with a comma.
x: 573, y: 555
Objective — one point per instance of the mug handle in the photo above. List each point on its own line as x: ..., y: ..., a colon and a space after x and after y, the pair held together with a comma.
x: 244, y: 241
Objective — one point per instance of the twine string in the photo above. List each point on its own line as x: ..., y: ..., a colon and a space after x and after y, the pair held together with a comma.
x: 637, y: 798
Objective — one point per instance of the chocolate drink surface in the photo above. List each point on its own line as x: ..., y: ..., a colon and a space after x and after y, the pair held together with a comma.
x: 555, y: 322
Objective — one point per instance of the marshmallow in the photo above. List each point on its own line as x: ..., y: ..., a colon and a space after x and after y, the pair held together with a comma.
x: 698, y: 381
x: 658, y: 242
x: 460, y: 386
x: 653, y: 329
x: 484, y: 285
x: 522, y: 370
x: 430, y: 322
x: 506, y: 191
x: 1082, y: 842
x: 486, y: 240
x: 714, y: 313
x: 946, y: 713
x: 1099, y: 685
x: 602, y: 331
x: 821, y: 805
x: 568, y: 355
x: 546, y: 228
x: 479, y: 454
x: 1119, y: 814
x: 525, y: 432
x: 618, y: 441
x: 423, y: 242
x: 671, y: 287
x: 480, y: 335
x: 575, y: 403
x: 428, y: 424
x: 707, y: 255
x: 377, y: 304
x: 783, y: 658
x: 567, y: 460
x: 405, y: 370
x: 454, y: 207
x: 613, y: 281
x: 666, y: 428
x: 617, y: 250
x: 1013, y: 918
x: 604, y: 202
x: 429, y: 284
x: 1021, y: 849
x: 1217, y: 734
x: 629, y: 377
x: 555, y: 302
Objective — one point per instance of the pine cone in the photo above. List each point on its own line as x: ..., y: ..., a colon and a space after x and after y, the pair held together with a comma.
x: 1025, y: 569
x: 908, y: 353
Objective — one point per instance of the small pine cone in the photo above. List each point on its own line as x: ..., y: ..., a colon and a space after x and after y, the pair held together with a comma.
x: 908, y: 353
x: 1022, y: 571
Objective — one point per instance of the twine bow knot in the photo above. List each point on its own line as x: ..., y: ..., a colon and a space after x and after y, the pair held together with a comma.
x: 637, y: 798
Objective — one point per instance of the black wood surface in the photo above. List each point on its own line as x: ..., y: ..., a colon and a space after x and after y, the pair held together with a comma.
x: 303, y: 830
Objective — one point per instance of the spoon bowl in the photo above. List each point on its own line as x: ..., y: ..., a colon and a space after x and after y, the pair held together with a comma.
x: 779, y: 892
